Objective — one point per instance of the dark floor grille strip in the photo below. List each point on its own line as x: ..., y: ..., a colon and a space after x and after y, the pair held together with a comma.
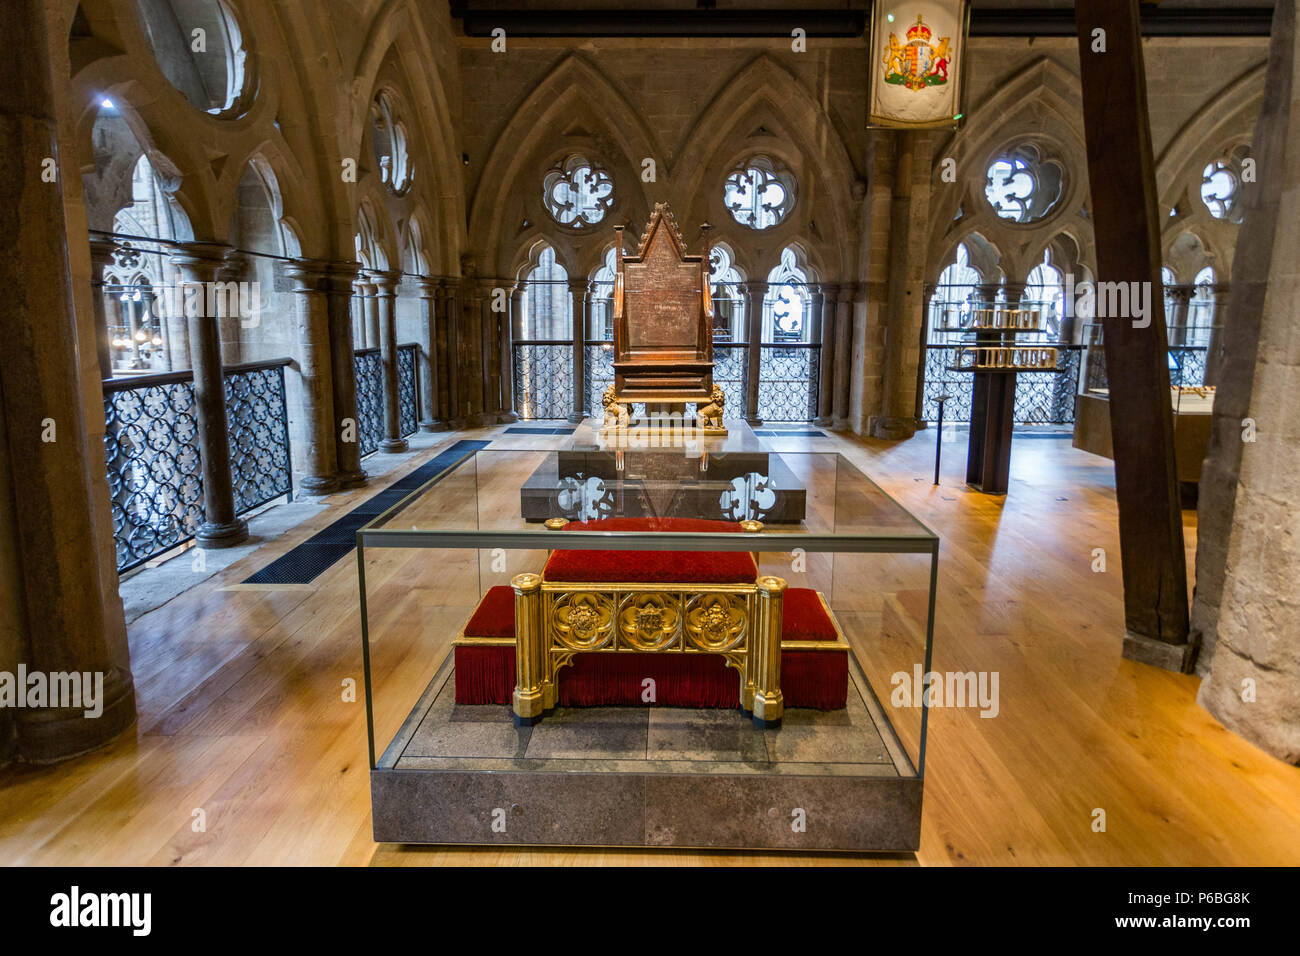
x: 524, y: 430
x: 306, y: 562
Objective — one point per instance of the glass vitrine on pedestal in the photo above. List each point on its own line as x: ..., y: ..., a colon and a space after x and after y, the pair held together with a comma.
x: 647, y: 734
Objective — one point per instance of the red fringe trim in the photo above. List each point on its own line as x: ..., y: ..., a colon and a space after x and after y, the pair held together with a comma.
x: 815, y: 679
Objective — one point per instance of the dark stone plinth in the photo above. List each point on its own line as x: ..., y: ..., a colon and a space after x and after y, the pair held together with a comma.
x: 661, y: 484
x: 647, y: 776
x: 1147, y: 650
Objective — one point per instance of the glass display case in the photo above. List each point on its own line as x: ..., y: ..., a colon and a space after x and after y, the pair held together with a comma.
x: 1191, y: 396
x: 686, y: 646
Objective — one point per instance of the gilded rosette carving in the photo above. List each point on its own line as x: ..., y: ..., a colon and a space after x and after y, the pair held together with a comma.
x: 583, y: 620
x: 716, y: 622
x: 649, y: 620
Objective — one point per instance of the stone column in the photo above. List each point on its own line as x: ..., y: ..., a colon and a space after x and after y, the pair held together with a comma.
x: 1245, y: 611
x: 1013, y: 292
x: 113, y: 317
x: 430, y: 379
x: 506, y: 374
x: 1181, y: 296
x: 581, y: 299
x: 148, y: 313
x: 825, y: 304
x: 370, y: 311
x: 385, y: 293
x: 507, y: 360
x: 339, y: 279
x: 904, y: 306
x: 234, y: 269
x: 101, y: 256
x: 200, y: 263
x: 489, y: 360
x: 1214, y: 348
x: 357, y: 312
x: 753, y: 293
x: 986, y: 295
x: 470, y: 340
x: 450, y: 322
x: 131, y: 323
x: 53, y: 615
x: 445, y: 344
x: 843, y: 352
x: 314, y: 365
x: 173, y: 315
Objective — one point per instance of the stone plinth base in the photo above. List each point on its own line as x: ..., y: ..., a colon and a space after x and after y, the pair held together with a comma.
x: 647, y: 776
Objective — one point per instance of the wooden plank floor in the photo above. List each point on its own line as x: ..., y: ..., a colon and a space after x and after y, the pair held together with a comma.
x: 243, y: 727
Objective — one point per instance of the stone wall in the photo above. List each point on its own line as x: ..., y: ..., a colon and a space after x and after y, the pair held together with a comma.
x: 1247, y: 607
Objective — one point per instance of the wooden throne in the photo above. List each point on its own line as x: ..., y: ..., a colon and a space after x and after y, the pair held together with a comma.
x: 663, y: 328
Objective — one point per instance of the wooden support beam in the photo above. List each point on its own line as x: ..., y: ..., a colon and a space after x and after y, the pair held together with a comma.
x: 1121, y: 171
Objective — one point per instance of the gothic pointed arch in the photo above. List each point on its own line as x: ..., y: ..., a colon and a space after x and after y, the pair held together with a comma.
x: 392, y: 73
x: 1220, y: 132
x: 119, y: 138
x: 375, y: 245
x: 415, y: 245
x: 541, y: 133
x: 765, y: 110
x: 1037, y: 109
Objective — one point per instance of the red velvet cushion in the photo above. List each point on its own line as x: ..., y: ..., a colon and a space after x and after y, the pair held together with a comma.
x: 803, y: 618
x: 657, y: 567
x: 495, y: 614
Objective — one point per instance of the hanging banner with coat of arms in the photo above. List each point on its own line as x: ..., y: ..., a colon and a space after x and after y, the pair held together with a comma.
x: 918, y: 55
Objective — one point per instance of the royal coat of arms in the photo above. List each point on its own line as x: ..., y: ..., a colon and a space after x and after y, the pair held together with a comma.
x: 918, y: 63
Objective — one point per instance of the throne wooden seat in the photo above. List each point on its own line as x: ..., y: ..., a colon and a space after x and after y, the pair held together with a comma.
x: 663, y: 324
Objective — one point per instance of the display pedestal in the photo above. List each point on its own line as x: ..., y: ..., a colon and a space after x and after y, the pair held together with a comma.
x: 647, y: 776
x: 733, y: 486
x: 993, y: 408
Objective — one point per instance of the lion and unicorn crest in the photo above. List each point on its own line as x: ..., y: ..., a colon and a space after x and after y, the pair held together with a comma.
x: 918, y: 63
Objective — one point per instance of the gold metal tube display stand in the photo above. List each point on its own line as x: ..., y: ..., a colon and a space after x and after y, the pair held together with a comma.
x: 769, y: 703
x: 530, y: 651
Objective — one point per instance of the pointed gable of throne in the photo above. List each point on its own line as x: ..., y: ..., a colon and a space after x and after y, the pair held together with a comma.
x: 663, y: 319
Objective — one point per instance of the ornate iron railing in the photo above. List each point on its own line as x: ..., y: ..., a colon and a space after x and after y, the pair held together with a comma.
x: 789, y: 375
x: 1190, y: 360
x: 731, y: 371
x: 370, y: 400
x: 1042, y: 398
x: 408, y: 389
x: 787, y: 383
x: 155, y: 480
x: 258, y: 421
x: 153, y: 459
x: 600, y: 376
x: 544, y: 379
x: 1186, y: 368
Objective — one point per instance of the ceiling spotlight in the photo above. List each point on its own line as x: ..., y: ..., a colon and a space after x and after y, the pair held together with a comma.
x: 107, y: 104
